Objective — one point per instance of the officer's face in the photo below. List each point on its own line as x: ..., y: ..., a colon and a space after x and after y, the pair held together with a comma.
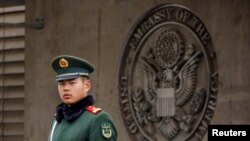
x: 72, y: 91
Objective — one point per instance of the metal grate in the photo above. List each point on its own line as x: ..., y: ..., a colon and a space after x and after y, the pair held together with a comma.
x: 12, y: 46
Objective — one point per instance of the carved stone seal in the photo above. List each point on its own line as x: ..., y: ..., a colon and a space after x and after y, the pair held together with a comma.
x: 168, y: 79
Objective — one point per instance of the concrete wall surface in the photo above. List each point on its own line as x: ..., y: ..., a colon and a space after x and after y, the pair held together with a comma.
x: 97, y: 29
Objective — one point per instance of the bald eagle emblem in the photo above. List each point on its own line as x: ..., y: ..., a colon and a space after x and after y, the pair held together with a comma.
x: 170, y: 77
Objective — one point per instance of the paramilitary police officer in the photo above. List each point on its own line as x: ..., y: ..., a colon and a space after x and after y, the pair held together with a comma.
x: 76, y: 118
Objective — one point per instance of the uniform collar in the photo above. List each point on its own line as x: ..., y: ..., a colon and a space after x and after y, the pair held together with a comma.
x: 72, y: 112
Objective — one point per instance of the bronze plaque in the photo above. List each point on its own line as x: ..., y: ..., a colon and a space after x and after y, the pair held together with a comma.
x: 168, y: 78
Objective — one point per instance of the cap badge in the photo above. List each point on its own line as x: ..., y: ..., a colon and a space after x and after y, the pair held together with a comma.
x: 63, y: 63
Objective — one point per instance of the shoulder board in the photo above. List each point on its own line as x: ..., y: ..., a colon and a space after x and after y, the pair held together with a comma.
x: 93, y: 109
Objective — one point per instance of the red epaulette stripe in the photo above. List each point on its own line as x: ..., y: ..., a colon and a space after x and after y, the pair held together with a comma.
x: 93, y: 109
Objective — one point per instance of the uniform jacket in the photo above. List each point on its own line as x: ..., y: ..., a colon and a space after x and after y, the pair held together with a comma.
x: 87, y: 124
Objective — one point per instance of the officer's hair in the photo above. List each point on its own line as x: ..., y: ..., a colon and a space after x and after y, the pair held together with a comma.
x: 84, y: 78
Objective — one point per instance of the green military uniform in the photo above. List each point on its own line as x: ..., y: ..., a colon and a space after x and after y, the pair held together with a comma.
x: 87, y: 127
x: 82, y: 121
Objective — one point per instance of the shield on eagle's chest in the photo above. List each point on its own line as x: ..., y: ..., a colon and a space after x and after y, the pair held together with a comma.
x: 165, y: 102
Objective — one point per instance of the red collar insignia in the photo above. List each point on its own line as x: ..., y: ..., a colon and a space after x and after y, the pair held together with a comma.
x: 93, y: 109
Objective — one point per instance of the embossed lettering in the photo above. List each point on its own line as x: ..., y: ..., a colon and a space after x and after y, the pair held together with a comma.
x: 159, y: 16
x: 183, y: 15
x: 134, y: 41
x: 214, y: 82
x: 124, y: 100
x: 133, y: 128
x: 205, y: 38
x: 169, y: 13
x: 201, y: 30
x: 209, y: 115
x: 126, y: 108
x: 211, y: 105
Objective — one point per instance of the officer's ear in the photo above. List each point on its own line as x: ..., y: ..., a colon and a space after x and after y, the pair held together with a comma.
x: 87, y: 83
